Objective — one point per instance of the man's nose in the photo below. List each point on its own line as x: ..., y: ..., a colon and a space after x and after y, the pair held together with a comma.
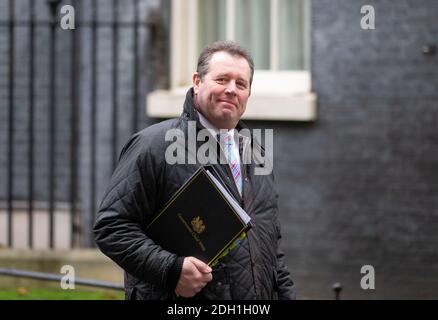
x: 231, y: 87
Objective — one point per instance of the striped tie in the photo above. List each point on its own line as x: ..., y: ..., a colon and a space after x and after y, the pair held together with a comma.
x: 232, y: 159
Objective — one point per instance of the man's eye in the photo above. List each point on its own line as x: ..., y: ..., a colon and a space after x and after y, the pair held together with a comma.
x: 241, y: 85
x: 220, y: 80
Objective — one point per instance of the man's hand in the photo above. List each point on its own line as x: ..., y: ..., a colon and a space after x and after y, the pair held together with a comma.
x: 195, y: 274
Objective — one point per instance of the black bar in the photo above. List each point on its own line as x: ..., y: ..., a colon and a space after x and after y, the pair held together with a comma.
x: 53, y: 4
x: 135, y: 70
x: 94, y: 47
x: 58, y: 278
x: 115, y: 107
x: 10, y: 179
x: 31, y: 121
x: 75, y: 63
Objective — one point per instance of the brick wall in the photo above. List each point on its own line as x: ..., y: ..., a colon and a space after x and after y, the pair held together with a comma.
x: 359, y: 186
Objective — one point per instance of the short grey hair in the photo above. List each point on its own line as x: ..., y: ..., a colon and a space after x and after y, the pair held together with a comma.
x: 230, y: 47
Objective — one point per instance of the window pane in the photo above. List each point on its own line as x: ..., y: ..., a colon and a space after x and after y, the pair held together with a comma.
x: 211, y: 22
x: 253, y: 29
x: 294, y: 33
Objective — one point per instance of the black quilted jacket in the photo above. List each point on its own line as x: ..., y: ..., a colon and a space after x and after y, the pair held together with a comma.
x: 143, y: 181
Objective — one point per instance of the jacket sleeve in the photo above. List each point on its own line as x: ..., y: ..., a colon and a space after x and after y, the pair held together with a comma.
x: 125, y: 210
x: 286, y: 287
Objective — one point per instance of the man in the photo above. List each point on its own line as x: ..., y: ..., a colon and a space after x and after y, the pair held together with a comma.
x: 144, y: 180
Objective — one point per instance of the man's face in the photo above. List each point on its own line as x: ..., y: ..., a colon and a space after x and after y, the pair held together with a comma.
x: 222, y: 94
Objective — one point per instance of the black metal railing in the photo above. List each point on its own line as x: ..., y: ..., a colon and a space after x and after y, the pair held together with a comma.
x: 58, y: 278
x: 30, y: 24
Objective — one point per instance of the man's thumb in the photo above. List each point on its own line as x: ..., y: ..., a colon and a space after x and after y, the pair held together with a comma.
x: 201, y: 266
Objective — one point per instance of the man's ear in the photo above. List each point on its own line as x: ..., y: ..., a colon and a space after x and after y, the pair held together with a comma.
x: 196, y: 80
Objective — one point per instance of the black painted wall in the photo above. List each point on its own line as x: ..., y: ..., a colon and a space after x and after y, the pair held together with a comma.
x: 360, y: 185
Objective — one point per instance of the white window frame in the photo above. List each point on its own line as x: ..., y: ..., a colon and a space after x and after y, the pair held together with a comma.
x: 276, y: 95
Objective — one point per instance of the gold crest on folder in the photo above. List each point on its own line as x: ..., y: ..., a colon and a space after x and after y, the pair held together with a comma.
x: 198, y: 225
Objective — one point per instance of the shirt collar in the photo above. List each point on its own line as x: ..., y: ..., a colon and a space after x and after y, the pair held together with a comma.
x: 213, y: 130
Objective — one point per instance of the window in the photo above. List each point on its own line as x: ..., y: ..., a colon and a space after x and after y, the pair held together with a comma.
x: 276, y: 32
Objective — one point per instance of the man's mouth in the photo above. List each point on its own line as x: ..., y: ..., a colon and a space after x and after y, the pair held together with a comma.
x: 227, y: 102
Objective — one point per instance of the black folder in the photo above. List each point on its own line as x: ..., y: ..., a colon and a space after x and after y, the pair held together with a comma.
x: 199, y: 220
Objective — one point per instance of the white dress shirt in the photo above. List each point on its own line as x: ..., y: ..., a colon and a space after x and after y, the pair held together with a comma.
x: 215, y: 131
